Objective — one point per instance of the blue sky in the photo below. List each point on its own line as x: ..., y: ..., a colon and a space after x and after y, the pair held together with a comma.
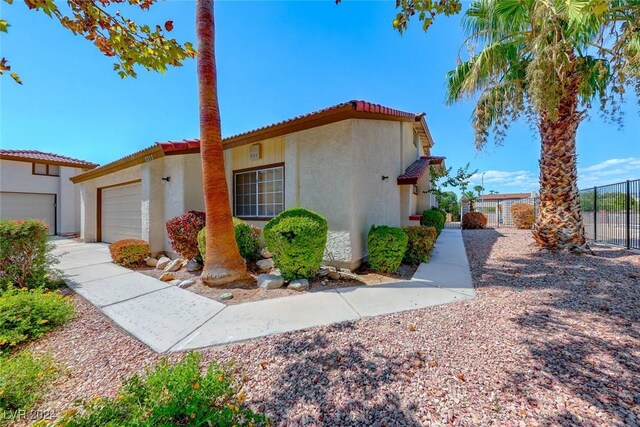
x: 275, y: 60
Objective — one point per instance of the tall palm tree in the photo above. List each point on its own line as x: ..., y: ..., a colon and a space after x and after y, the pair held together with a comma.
x: 548, y: 60
x: 223, y: 263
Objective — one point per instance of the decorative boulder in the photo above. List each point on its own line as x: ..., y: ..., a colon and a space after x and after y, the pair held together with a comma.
x: 175, y: 282
x: 270, y: 281
x: 186, y: 283
x: 166, y: 277
x: 299, y: 285
x: 264, y: 253
x: 265, y: 265
x: 334, y: 275
x: 162, y: 263
x: 174, y: 265
x: 151, y: 262
x: 193, y: 265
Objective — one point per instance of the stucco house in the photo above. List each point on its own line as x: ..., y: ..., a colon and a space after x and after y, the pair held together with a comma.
x: 36, y: 185
x: 356, y: 163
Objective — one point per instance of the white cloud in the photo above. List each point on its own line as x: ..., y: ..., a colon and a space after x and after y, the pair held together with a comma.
x: 513, y: 181
x: 609, y: 172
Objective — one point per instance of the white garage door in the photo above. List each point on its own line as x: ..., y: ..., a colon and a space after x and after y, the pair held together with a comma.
x: 121, y: 212
x: 29, y: 206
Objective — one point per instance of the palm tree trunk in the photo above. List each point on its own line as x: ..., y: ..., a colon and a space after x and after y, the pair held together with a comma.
x: 223, y: 263
x: 559, y: 222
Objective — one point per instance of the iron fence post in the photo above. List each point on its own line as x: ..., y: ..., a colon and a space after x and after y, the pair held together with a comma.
x: 628, y: 214
x: 595, y: 214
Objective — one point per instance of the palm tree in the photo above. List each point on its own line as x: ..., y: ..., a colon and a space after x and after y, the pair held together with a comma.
x: 223, y: 263
x: 548, y: 60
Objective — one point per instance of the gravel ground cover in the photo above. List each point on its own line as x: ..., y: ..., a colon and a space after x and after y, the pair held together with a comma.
x: 552, y: 339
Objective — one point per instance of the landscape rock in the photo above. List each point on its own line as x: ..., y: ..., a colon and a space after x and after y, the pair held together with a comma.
x: 167, y: 277
x: 276, y: 272
x: 324, y: 271
x: 347, y: 276
x: 174, y: 265
x: 270, y: 281
x: 193, y: 265
x: 226, y: 296
x: 265, y: 264
x: 264, y: 253
x: 299, y: 285
x: 334, y: 275
x: 175, y: 282
x: 151, y: 262
x: 162, y: 263
x: 186, y: 283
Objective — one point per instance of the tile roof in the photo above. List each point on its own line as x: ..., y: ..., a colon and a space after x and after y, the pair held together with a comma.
x: 179, y: 146
x: 39, y: 156
x: 508, y: 196
x: 417, y: 169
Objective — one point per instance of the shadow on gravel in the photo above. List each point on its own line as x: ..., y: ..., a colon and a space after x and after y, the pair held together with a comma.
x: 580, y: 319
x: 336, y: 386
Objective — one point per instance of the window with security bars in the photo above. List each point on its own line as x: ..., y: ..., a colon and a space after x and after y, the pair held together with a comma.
x: 259, y: 193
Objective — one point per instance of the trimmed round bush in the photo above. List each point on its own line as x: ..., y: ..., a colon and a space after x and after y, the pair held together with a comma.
x: 420, y: 243
x: 247, y: 239
x: 297, y: 238
x: 386, y: 246
x: 474, y: 221
x: 433, y: 218
x: 129, y: 252
x: 183, y: 233
x: 523, y: 215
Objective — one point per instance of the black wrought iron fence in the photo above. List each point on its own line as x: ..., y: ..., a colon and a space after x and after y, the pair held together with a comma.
x: 611, y: 213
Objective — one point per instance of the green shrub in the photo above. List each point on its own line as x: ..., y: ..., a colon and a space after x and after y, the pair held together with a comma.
x: 25, y: 254
x: 27, y: 314
x: 170, y: 395
x: 387, y: 246
x: 297, y: 238
x: 129, y: 252
x: 23, y: 380
x: 247, y: 238
x: 420, y: 243
x: 433, y: 218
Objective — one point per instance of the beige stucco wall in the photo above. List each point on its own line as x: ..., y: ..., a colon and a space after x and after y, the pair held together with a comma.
x: 18, y: 177
x: 272, y: 152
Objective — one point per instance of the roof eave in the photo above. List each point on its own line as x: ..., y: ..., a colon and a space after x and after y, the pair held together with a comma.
x: 142, y: 156
x: 48, y: 162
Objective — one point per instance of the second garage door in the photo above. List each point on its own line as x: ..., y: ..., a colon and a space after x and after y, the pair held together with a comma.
x: 29, y: 206
x: 121, y: 212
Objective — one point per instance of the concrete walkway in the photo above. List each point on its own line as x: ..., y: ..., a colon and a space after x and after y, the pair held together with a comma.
x: 168, y: 319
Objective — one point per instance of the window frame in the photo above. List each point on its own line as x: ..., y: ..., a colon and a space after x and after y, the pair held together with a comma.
x: 256, y: 170
x: 46, y: 165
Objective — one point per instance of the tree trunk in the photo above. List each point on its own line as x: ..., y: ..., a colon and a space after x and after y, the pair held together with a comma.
x: 223, y: 263
x: 559, y: 222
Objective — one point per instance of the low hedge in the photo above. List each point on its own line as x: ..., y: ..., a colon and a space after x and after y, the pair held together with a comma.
x: 297, y: 238
x: 247, y: 239
x: 474, y: 220
x: 24, y: 379
x: 421, y: 240
x: 523, y: 215
x: 386, y: 246
x: 25, y: 254
x: 27, y: 314
x: 129, y: 252
x: 183, y: 233
x: 170, y: 395
x: 433, y: 218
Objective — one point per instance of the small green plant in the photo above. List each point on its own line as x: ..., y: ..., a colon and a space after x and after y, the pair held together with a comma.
x: 420, y: 243
x: 433, y: 218
x: 129, y: 252
x: 27, y: 314
x: 247, y: 238
x: 170, y: 395
x: 387, y: 246
x: 297, y: 238
x: 25, y: 255
x: 24, y: 378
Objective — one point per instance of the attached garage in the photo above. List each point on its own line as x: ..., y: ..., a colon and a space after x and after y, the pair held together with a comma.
x: 29, y: 206
x: 120, y: 212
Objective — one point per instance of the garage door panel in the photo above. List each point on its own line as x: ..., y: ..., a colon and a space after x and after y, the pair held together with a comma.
x: 121, y: 212
x: 29, y: 206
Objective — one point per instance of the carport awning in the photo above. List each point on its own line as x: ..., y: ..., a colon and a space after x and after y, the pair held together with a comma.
x: 417, y: 169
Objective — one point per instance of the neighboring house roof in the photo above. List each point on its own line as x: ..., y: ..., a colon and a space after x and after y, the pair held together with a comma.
x: 508, y: 196
x: 417, y: 169
x: 34, y: 156
x: 354, y: 109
